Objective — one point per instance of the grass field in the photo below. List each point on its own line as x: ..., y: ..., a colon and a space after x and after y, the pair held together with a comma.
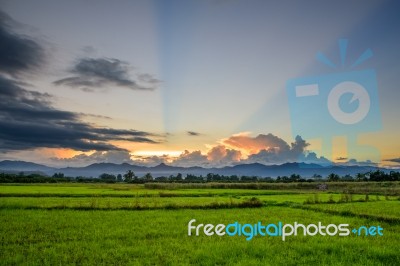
x: 124, y: 224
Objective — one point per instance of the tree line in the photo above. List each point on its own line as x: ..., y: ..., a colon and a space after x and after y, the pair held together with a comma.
x: 131, y: 177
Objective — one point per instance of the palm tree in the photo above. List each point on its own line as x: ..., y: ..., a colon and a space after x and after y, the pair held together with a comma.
x: 129, y: 176
x: 148, y: 177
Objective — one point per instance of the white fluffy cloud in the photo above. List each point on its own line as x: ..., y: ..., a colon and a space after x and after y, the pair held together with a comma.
x: 252, y: 145
x: 242, y: 148
x: 96, y: 157
x: 195, y: 158
x: 220, y: 155
x: 275, y: 150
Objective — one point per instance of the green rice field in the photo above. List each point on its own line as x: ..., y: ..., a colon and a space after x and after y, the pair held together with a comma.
x: 127, y: 224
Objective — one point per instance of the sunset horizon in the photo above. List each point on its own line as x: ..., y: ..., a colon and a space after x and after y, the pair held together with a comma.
x: 199, y: 132
x: 186, y: 84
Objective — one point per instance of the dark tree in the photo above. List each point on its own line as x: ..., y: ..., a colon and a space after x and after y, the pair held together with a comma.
x: 148, y: 177
x: 107, y: 177
x: 333, y: 177
x: 129, y: 176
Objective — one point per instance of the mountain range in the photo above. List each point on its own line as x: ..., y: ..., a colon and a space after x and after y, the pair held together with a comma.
x: 254, y: 169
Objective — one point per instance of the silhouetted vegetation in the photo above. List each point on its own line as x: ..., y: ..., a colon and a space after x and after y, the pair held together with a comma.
x: 130, y: 177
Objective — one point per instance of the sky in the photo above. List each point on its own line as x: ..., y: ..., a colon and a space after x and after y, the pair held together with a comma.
x: 195, y: 83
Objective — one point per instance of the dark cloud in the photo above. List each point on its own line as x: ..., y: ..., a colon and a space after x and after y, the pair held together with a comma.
x: 18, y: 53
x: 341, y: 158
x: 95, y: 116
x: 90, y: 74
x: 27, y: 118
x: 192, y: 133
x: 394, y: 160
x: 147, y: 78
x: 28, y: 121
x: 360, y: 163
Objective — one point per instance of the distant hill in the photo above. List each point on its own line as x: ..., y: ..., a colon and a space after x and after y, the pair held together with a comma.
x: 255, y: 169
x: 21, y: 166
